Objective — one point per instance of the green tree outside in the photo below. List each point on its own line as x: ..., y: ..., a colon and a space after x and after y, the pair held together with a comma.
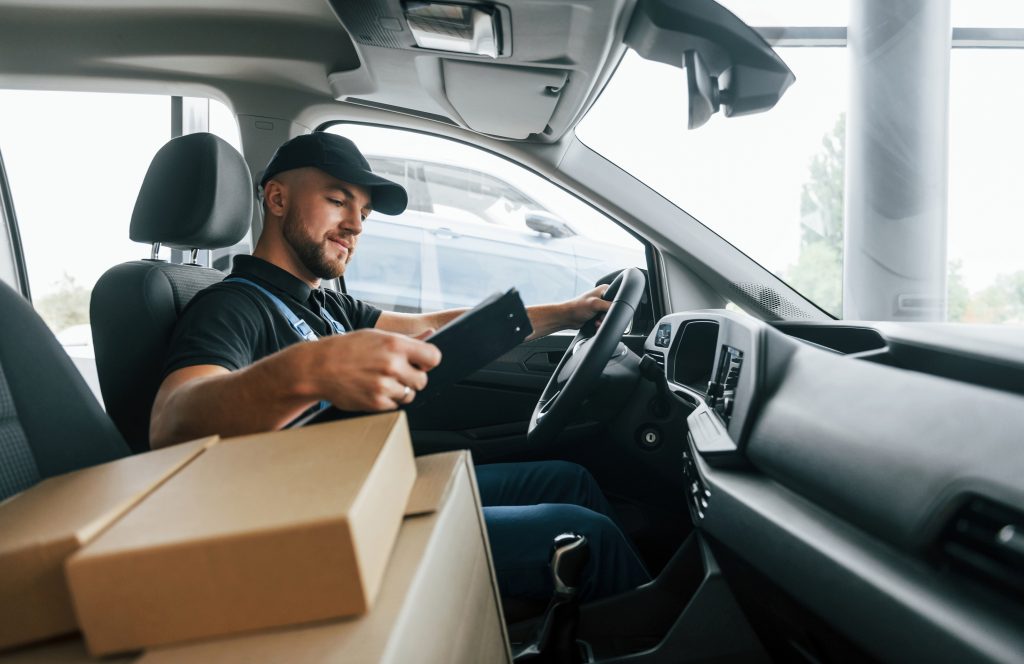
x: 818, y: 271
x: 1002, y: 302
x: 818, y: 275
x: 957, y: 296
x: 67, y: 306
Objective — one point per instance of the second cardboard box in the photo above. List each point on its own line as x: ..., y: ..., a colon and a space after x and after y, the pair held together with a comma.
x: 261, y: 531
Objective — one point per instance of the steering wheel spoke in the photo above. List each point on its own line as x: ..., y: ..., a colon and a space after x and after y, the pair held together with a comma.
x: 545, y: 406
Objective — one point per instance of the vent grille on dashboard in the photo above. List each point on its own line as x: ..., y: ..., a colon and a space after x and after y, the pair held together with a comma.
x: 769, y: 301
x: 723, y: 388
x: 986, y: 540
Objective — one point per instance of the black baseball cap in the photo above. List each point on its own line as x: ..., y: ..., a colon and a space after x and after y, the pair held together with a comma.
x: 337, y: 156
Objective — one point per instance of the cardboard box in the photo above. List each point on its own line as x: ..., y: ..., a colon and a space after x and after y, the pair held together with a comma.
x: 66, y: 650
x: 439, y: 602
x: 260, y: 531
x: 42, y: 526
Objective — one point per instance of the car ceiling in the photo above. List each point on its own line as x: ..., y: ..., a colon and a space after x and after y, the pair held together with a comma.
x: 272, y: 63
x: 277, y: 59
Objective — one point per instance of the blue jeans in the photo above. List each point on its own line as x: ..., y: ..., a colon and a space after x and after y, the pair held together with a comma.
x: 527, y: 504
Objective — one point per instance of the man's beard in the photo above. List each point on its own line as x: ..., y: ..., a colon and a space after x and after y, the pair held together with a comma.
x: 311, y: 252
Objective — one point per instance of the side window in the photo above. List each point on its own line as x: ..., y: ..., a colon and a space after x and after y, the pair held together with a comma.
x: 75, y: 162
x: 388, y: 270
x: 480, y: 224
x: 472, y: 266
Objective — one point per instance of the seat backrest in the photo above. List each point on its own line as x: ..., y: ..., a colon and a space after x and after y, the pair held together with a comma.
x: 197, y: 194
x: 50, y: 422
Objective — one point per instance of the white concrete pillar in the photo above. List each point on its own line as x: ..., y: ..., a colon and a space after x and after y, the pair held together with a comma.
x: 897, y: 160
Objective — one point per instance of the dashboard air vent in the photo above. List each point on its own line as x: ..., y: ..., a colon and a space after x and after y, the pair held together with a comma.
x: 986, y: 540
x: 727, y: 379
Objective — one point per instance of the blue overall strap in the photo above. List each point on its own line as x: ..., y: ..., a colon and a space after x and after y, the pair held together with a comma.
x: 338, y: 327
x: 299, y: 325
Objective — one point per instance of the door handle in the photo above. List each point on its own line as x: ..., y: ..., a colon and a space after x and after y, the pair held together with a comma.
x: 543, y: 361
x: 444, y: 231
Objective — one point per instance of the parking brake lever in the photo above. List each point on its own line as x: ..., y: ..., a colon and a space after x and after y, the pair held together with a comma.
x: 555, y: 640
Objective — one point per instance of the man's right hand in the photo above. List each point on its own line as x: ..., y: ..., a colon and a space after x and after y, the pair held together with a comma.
x: 368, y: 370
x: 361, y: 371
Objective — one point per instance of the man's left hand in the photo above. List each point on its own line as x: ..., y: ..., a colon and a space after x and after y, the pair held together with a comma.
x: 586, y: 307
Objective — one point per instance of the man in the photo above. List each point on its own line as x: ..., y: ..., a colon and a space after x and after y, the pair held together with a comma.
x: 254, y: 352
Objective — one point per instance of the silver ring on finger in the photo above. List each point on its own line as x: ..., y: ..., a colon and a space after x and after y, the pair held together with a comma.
x: 406, y: 392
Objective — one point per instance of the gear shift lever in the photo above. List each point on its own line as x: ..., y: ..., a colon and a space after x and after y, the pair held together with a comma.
x: 555, y: 641
x: 569, y: 555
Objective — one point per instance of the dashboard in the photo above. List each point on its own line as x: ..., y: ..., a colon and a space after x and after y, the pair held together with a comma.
x: 881, y: 458
x: 710, y: 361
x: 704, y: 357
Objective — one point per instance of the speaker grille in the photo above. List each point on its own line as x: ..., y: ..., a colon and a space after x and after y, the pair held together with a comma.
x: 769, y: 301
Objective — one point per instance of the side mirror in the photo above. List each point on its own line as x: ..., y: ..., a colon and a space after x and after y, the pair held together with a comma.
x: 546, y: 223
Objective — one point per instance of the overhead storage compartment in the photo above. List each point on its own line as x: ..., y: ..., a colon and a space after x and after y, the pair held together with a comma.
x: 541, y: 62
x: 521, y: 105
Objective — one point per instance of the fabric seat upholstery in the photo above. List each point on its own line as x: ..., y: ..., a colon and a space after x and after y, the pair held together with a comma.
x: 197, y: 194
x: 50, y: 423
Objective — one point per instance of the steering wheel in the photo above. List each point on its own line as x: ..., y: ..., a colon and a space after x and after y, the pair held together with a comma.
x: 578, y: 371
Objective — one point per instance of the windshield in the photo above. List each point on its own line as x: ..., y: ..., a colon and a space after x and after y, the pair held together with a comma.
x: 774, y: 184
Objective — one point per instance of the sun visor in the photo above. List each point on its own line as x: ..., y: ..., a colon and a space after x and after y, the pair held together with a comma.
x: 511, y: 102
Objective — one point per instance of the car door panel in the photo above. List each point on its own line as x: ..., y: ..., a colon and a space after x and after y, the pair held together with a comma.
x: 492, y: 405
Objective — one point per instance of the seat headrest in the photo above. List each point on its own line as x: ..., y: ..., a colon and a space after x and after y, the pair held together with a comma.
x: 197, y: 195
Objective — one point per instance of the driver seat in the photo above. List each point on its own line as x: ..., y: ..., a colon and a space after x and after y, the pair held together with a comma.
x: 197, y: 194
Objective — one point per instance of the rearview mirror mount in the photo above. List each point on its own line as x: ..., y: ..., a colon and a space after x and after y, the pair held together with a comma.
x: 729, y: 66
x: 702, y: 90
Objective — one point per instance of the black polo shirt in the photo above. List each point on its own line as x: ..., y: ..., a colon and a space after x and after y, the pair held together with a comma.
x: 232, y: 324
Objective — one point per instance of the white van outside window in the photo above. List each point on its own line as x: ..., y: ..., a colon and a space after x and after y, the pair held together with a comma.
x: 476, y: 224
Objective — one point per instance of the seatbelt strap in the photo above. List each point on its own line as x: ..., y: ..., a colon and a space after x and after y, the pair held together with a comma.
x: 299, y: 325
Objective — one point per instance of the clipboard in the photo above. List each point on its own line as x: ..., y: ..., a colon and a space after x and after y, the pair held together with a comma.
x: 467, y: 344
x: 475, y: 339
